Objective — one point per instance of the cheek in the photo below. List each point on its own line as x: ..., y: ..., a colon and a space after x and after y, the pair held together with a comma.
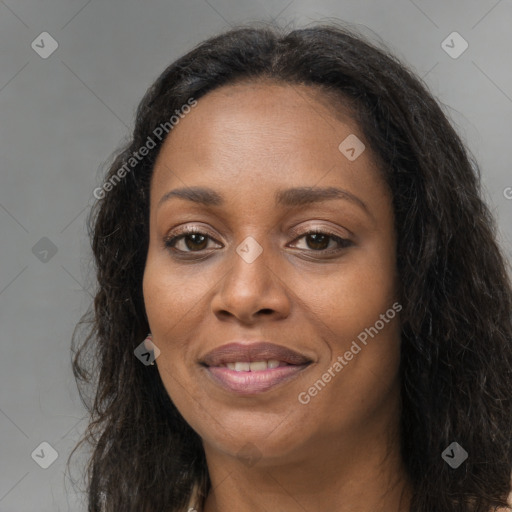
x: 174, y: 297
x: 354, y: 295
x: 175, y: 302
x: 167, y: 303
x: 354, y: 310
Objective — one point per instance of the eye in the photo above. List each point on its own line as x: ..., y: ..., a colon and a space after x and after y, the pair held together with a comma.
x: 189, y: 240
x: 193, y: 240
x: 319, y: 241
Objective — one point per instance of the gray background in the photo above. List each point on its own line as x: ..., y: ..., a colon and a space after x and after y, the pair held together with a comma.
x: 62, y: 117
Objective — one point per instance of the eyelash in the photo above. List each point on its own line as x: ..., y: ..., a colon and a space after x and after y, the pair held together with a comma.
x: 171, y: 241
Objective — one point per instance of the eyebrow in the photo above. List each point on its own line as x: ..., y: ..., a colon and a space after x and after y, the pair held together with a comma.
x: 291, y: 197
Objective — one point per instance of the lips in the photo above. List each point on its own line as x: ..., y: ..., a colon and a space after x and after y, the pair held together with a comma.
x: 250, y: 369
x: 247, y: 353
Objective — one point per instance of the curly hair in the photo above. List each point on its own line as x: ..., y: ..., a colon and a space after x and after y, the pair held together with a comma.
x: 456, y: 326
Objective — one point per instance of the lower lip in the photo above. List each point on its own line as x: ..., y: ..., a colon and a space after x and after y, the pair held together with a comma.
x: 254, y: 382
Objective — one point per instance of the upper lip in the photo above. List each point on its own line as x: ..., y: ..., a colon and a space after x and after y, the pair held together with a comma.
x: 250, y: 352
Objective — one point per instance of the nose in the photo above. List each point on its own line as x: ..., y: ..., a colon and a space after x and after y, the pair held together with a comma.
x: 251, y: 291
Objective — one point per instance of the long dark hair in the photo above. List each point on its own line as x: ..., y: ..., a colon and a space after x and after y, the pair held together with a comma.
x: 456, y: 352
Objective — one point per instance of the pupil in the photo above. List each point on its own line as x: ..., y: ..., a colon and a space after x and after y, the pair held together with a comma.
x: 194, y: 238
x: 317, y: 241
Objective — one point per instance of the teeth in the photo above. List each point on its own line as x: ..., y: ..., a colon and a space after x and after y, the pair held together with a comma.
x: 258, y: 365
x: 242, y: 367
x: 254, y: 366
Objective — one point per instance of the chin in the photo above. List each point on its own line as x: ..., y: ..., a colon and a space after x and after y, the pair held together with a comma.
x: 261, y: 441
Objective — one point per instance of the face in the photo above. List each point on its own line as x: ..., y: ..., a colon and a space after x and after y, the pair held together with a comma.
x: 250, y: 272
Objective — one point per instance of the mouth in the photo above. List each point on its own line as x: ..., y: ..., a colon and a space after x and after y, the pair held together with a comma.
x: 253, y: 368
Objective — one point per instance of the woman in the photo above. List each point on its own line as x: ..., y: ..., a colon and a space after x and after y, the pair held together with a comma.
x: 300, y: 230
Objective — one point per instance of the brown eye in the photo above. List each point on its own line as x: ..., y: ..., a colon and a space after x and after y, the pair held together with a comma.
x: 195, y: 241
x: 319, y: 241
x: 189, y: 241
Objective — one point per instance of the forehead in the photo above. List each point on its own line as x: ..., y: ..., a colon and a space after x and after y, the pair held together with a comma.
x: 262, y: 133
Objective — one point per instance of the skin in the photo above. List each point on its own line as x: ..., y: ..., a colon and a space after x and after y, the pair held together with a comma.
x: 340, y: 451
